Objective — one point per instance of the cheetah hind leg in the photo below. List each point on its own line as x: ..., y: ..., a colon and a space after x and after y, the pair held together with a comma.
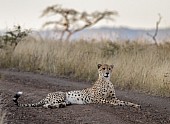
x: 55, y: 105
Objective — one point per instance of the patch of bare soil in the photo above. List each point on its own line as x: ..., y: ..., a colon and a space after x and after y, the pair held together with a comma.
x: 155, y: 110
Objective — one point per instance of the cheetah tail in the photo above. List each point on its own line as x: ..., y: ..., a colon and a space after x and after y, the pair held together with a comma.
x: 16, y: 96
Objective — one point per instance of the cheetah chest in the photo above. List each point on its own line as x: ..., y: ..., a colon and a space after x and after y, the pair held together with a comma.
x: 104, y: 90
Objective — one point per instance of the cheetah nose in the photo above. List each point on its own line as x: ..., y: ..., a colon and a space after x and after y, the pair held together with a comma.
x: 107, y: 73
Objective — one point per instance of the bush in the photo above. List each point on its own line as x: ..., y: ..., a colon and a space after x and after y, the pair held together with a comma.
x: 13, y: 37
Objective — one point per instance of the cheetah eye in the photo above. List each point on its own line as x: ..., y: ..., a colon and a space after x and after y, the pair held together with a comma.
x: 103, y: 68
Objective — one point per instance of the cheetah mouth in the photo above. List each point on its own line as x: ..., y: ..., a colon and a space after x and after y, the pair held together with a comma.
x: 106, y: 76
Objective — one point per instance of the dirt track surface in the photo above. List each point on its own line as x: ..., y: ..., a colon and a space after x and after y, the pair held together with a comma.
x: 155, y: 110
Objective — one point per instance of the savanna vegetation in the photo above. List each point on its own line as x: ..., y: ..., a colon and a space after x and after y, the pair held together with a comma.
x: 139, y: 65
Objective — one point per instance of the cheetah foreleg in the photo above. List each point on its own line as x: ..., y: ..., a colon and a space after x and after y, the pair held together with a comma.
x: 122, y: 103
x: 117, y: 102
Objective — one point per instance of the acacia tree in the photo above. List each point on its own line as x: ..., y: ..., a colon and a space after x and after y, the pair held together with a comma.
x: 70, y: 21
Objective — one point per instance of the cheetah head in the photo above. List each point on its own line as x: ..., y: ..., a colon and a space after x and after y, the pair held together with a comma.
x: 105, y: 70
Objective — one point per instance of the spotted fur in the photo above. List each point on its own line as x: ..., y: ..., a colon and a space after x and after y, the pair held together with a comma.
x: 101, y: 92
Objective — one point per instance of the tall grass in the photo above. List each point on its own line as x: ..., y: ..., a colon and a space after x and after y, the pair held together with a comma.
x: 138, y: 65
x: 145, y: 68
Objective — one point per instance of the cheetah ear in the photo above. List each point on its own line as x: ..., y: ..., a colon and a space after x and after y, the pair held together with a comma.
x: 99, y: 65
x: 112, y: 66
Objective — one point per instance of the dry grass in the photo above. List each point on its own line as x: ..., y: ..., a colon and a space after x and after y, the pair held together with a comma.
x: 138, y: 65
x: 144, y: 68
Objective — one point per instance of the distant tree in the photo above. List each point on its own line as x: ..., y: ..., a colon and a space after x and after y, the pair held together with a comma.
x: 153, y: 36
x: 70, y: 21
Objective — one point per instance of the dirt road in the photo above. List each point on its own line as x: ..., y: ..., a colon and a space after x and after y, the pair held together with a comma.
x: 155, y: 110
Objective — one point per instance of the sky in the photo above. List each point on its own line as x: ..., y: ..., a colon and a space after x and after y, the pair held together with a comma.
x: 132, y: 13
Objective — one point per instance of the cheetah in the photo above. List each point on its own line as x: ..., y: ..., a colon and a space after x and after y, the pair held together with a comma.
x: 102, y: 92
